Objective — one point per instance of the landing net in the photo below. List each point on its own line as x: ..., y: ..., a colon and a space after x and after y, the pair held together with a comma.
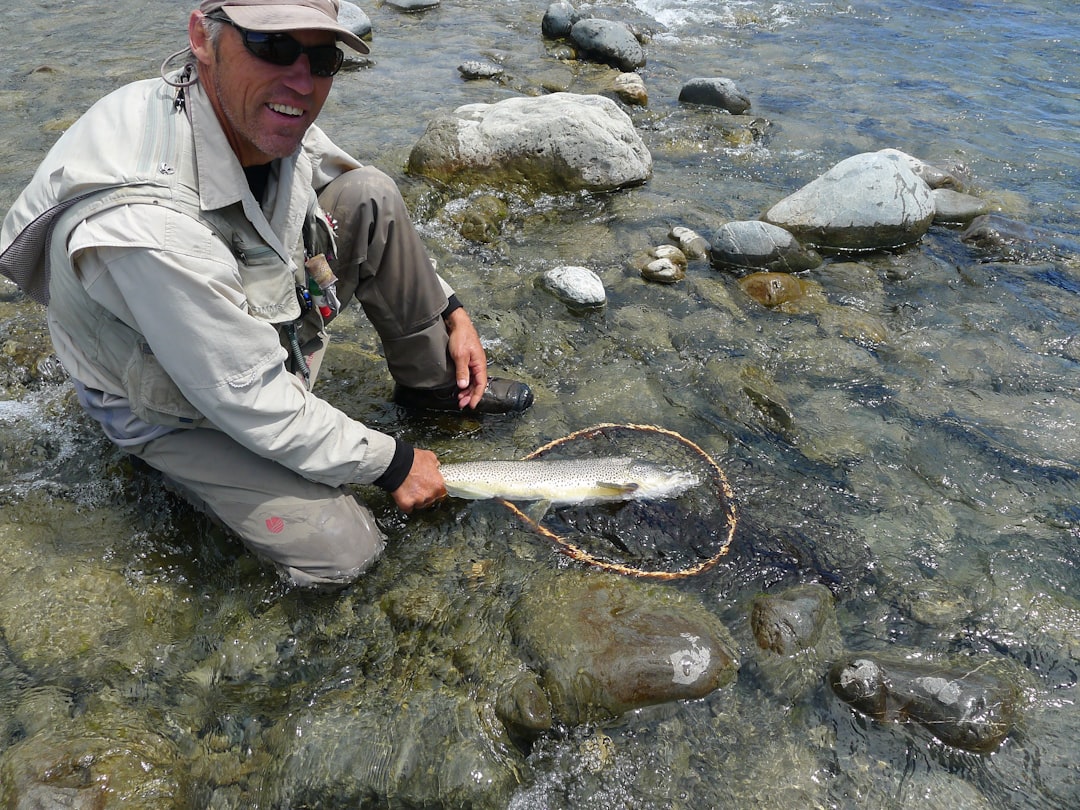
x: 657, y: 539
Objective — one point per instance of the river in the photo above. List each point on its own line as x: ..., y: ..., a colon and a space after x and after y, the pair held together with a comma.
x: 914, y: 446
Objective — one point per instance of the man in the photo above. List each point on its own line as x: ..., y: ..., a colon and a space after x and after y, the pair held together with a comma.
x: 192, y: 238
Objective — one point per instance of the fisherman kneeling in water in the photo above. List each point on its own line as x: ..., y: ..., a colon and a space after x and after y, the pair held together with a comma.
x: 200, y: 233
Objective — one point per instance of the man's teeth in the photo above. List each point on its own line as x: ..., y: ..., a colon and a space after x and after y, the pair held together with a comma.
x: 285, y: 109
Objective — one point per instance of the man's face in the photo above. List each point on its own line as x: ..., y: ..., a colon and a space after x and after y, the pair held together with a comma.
x: 264, y: 109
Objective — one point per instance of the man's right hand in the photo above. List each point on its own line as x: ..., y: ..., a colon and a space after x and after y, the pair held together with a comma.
x: 424, y: 485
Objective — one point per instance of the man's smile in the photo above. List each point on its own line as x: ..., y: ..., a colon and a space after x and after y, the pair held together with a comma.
x: 285, y: 109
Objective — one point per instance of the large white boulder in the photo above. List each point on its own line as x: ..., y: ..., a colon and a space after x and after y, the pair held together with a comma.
x: 554, y: 143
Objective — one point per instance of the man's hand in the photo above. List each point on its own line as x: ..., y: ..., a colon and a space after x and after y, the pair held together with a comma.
x: 469, y: 358
x: 424, y: 485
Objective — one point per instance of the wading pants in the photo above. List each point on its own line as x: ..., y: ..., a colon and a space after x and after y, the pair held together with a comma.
x: 317, y: 534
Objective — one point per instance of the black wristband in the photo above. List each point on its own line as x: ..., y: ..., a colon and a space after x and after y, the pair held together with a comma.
x: 399, y: 468
x: 453, y: 303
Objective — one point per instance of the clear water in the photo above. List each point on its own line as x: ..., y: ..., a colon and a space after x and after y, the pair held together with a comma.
x: 914, y: 445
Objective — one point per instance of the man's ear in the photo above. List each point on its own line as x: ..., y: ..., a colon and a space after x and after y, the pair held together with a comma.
x: 198, y: 38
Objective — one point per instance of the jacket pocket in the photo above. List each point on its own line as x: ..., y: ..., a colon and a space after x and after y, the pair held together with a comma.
x: 152, y: 394
x: 268, y: 281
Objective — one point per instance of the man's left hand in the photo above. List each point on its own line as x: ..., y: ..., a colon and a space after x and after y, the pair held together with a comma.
x: 470, y: 362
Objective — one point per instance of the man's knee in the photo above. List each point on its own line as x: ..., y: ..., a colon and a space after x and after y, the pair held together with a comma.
x: 365, y: 189
x: 341, y: 541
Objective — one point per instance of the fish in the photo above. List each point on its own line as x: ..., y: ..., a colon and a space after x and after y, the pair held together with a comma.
x: 565, y: 482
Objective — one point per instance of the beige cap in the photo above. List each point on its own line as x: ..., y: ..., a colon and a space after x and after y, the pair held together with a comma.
x: 286, y: 15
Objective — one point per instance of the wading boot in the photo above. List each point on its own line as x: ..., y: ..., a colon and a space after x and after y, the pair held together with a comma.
x: 500, y: 396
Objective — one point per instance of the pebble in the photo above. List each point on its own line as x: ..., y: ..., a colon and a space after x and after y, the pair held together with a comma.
x: 630, y: 87
x: 663, y: 270
x: 664, y: 263
x: 691, y: 243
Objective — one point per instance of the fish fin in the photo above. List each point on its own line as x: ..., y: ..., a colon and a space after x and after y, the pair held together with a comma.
x: 474, y: 492
x: 535, y: 511
x: 616, y: 490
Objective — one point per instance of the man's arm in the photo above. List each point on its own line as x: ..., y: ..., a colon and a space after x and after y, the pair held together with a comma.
x: 189, y: 308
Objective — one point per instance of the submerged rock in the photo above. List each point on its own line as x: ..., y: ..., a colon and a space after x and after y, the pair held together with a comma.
x: 435, y: 750
x: 797, y: 636
x: 776, y: 289
x: 606, y: 645
x: 792, y: 621
x: 870, y: 201
x: 481, y: 219
x: 994, y: 232
x: 969, y: 704
x: 110, y: 761
x: 559, y: 142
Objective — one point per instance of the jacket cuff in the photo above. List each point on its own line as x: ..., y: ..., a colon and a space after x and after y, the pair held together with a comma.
x: 398, y: 470
x: 453, y: 303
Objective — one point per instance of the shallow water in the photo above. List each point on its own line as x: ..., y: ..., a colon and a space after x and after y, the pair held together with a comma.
x: 913, y: 445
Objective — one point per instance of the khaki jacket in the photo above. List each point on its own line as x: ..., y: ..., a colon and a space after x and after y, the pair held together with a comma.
x: 167, y: 283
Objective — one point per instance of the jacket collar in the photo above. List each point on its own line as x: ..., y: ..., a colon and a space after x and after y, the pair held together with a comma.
x: 221, y: 177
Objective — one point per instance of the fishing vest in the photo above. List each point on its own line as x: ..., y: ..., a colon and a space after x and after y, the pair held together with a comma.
x: 133, y: 147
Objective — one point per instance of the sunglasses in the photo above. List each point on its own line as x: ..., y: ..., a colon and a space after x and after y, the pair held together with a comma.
x: 283, y: 50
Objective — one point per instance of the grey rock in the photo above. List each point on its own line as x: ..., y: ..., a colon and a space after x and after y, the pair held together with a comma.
x: 413, y: 5
x: 954, y: 207
x: 870, y: 201
x: 558, y: 20
x: 355, y: 19
x: 608, y: 42
x: 931, y: 175
x: 477, y: 69
x: 716, y: 92
x: 752, y: 245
